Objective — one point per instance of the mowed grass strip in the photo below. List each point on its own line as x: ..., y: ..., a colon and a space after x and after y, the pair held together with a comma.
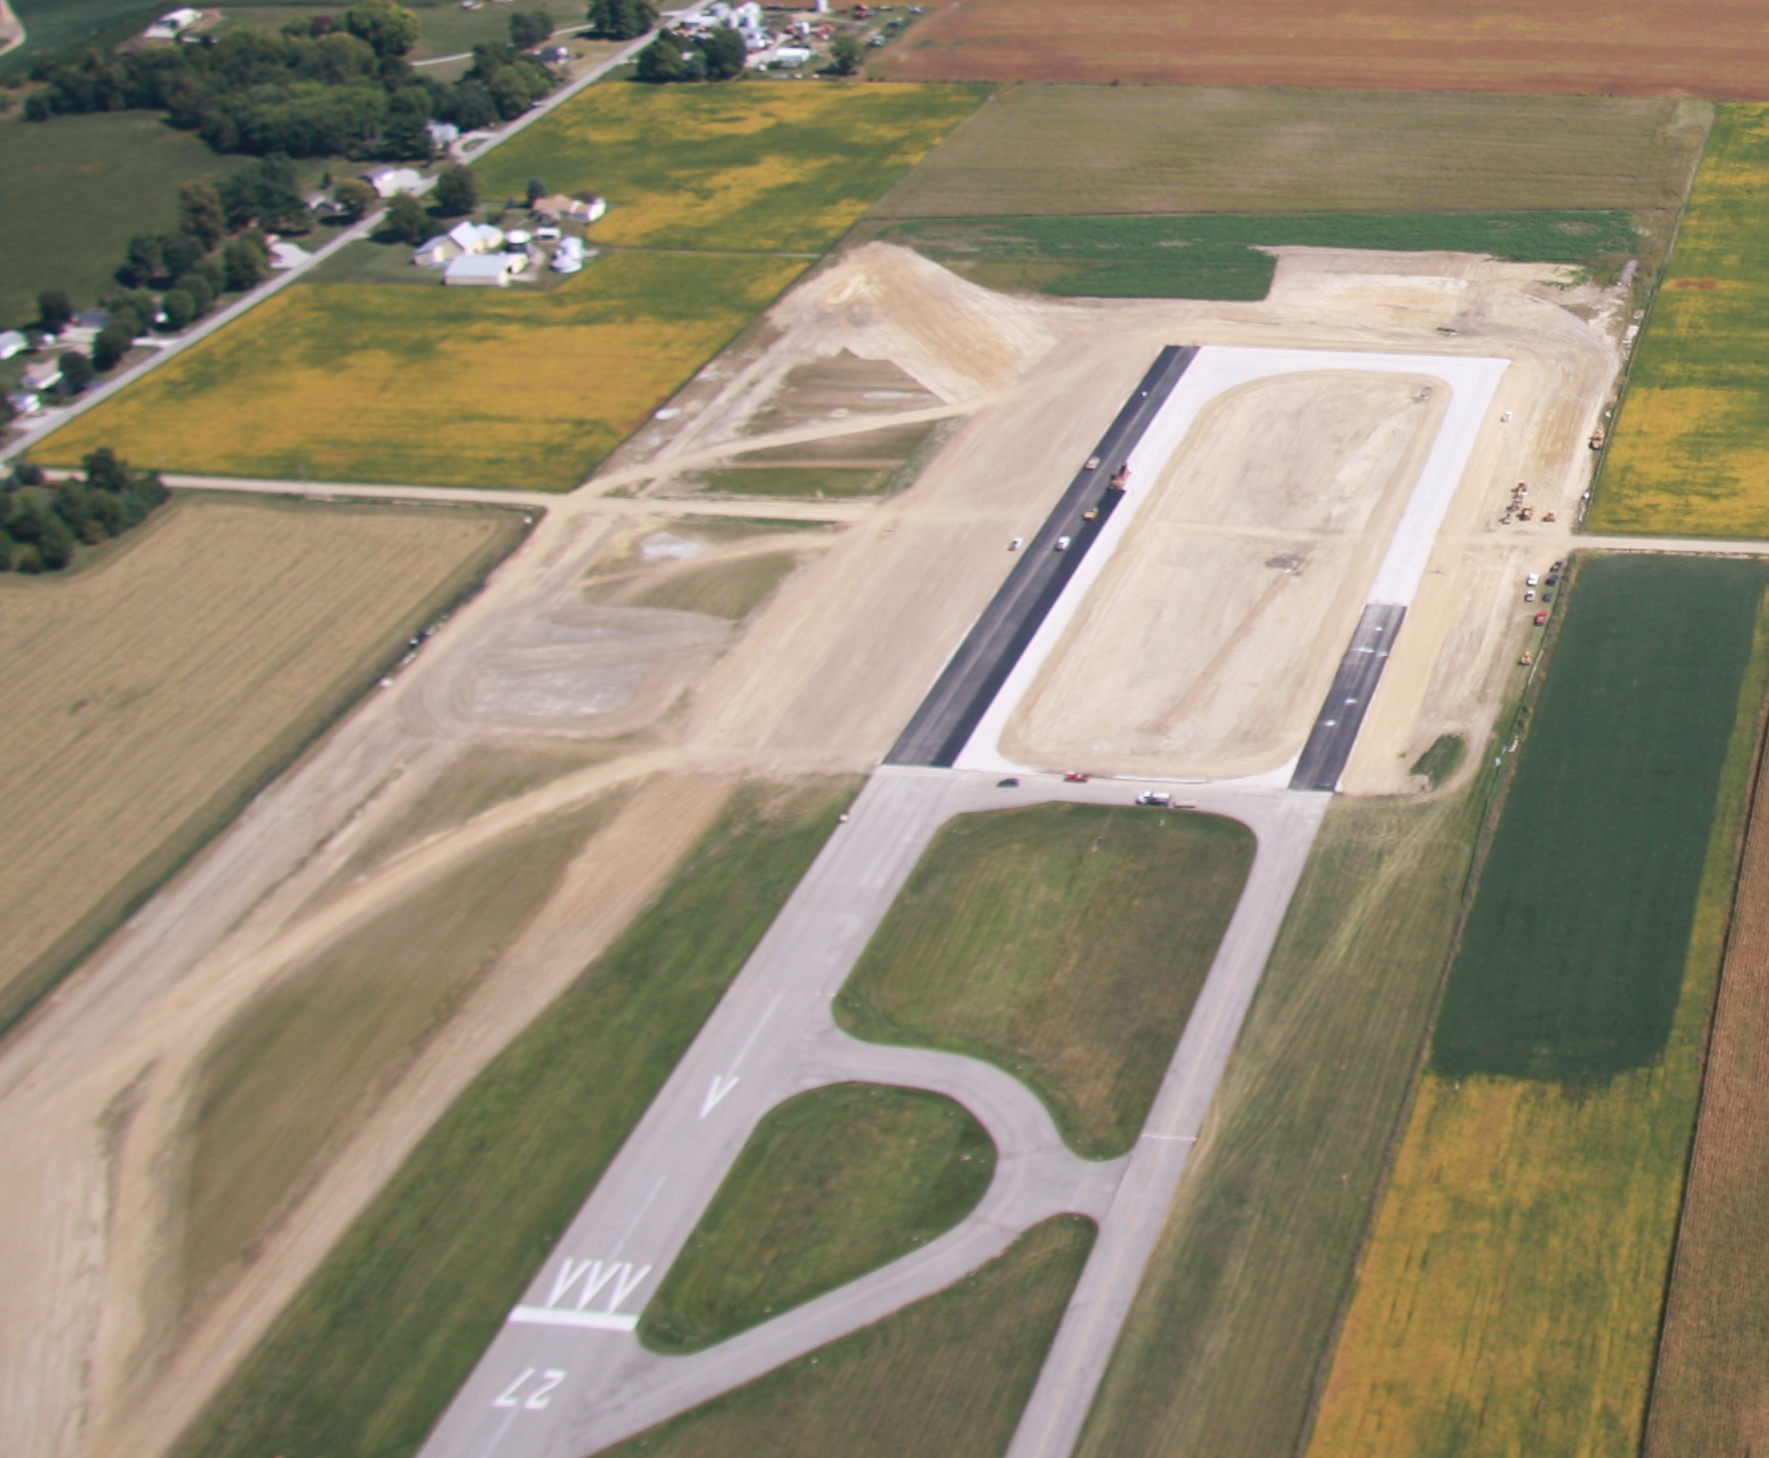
x: 1509, y: 1298
x: 1079, y: 150
x: 1064, y: 943
x: 297, y: 1071
x: 832, y: 1184
x: 1237, y: 1304
x: 1218, y: 257
x: 1572, y: 959
x: 1690, y: 451
x: 766, y: 165
x: 946, y: 1376
x: 149, y: 695
x: 1711, y: 1383
x: 444, y: 387
x: 365, y: 1359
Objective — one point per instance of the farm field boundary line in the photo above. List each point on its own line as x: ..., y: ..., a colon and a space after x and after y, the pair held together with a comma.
x: 31, y: 435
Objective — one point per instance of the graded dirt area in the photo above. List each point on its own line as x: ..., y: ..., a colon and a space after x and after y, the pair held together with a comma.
x: 1634, y: 48
x: 1207, y: 644
x: 790, y: 650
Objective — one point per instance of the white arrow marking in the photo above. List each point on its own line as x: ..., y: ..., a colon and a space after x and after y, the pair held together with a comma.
x: 717, y: 1091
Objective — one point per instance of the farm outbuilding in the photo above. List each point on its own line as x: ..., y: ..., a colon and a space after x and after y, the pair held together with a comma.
x: 484, y: 270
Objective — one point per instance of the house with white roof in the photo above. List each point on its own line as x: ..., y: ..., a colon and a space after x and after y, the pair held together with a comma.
x: 173, y: 24
x: 485, y: 270
x: 12, y: 342
x: 388, y: 181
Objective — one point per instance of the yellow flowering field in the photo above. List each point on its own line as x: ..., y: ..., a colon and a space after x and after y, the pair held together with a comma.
x: 434, y: 386
x: 786, y: 165
x: 1690, y: 455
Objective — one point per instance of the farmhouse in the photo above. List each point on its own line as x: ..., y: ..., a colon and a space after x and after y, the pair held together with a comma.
x: 173, y: 24
x: 460, y: 240
x: 387, y: 181
x: 584, y: 209
x: 12, y: 342
x: 26, y: 402
x: 485, y: 270
x: 42, y: 375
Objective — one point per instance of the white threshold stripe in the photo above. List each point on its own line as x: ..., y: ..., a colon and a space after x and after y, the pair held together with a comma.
x: 593, y: 1320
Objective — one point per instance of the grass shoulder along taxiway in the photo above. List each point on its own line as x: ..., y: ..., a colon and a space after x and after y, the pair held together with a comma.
x: 152, y: 693
x: 1690, y: 451
x: 1509, y: 1297
x: 768, y: 165
x: 1237, y: 1304
x: 367, y: 1356
x: 1710, y: 1386
x: 947, y: 1375
x: 832, y: 1184
x: 1063, y: 943
x: 445, y: 387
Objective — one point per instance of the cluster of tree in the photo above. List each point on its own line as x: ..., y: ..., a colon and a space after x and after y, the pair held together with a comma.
x: 409, y: 221
x: 530, y: 28
x: 622, y: 19
x: 42, y: 523
x: 311, y: 90
x: 717, y: 56
x: 191, y: 268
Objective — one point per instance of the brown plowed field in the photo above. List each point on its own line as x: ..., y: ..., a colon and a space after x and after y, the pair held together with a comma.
x: 1620, y: 47
x: 1711, y: 1391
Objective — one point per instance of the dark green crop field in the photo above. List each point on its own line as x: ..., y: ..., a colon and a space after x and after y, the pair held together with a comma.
x: 1574, y: 950
x: 363, y: 1361
x: 1216, y: 256
x: 1064, y: 943
x: 832, y: 1184
x: 943, y: 1378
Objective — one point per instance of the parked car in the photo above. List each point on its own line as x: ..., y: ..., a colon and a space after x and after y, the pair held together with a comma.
x: 1541, y: 620
x: 1532, y: 580
x: 1154, y: 797
x: 1016, y: 544
x: 1077, y: 777
x: 1529, y: 594
x: 1010, y: 783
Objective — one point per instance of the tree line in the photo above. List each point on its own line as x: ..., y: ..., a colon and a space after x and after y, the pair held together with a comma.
x: 313, y: 89
x: 44, y: 523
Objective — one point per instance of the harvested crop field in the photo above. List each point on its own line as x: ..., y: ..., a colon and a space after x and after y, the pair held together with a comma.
x: 948, y: 1375
x: 1711, y: 1387
x: 765, y: 165
x: 1509, y: 1298
x: 1690, y: 451
x: 1633, y: 48
x: 1065, y: 943
x: 149, y: 695
x: 443, y: 387
x: 1055, y: 151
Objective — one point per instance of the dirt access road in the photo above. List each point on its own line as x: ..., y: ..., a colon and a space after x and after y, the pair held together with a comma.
x: 94, y: 1092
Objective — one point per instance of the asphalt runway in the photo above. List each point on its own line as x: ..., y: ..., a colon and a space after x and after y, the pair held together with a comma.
x: 1336, y: 727
x: 975, y: 673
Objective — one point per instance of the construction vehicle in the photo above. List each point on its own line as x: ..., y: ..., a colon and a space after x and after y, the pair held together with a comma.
x: 1597, y: 439
x: 1121, y: 479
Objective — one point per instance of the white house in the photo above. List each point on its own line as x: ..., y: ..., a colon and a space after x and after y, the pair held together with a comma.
x: 437, y: 252
x: 173, y: 24
x: 582, y: 209
x: 12, y: 342
x: 387, y: 181
x: 442, y: 134
x: 568, y: 257
x: 43, y: 374
x: 462, y: 239
x: 485, y: 270
x: 26, y: 402
x: 789, y: 58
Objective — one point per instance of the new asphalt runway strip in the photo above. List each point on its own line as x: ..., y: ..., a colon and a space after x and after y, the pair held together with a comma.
x: 566, y: 1376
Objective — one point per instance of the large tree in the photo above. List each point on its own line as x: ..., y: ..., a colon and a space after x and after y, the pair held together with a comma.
x: 54, y: 310
x: 724, y: 53
x: 355, y: 197
x: 845, y: 55
x: 200, y: 213
x: 457, y: 191
x: 391, y: 29
x: 622, y: 19
x: 406, y: 219
x: 662, y: 60
x: 530, y: 28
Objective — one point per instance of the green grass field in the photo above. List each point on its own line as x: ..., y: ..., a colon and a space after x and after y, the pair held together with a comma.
x: 1510, y: 1295
x: 768, y: 165
x: 945, y: 1377
x: 1237, y: 1304
x: 832, y: 1184
x: 1689, y: 455
x: 1064, y: 943
x: 80, y: 188
x: 1214, y: 257
x: 439, y: 386
x: 1572, y: 959
x: 364, y: 1360
x: 299, y: 1068
x: 52, y: 24
x: 1191, y: 149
